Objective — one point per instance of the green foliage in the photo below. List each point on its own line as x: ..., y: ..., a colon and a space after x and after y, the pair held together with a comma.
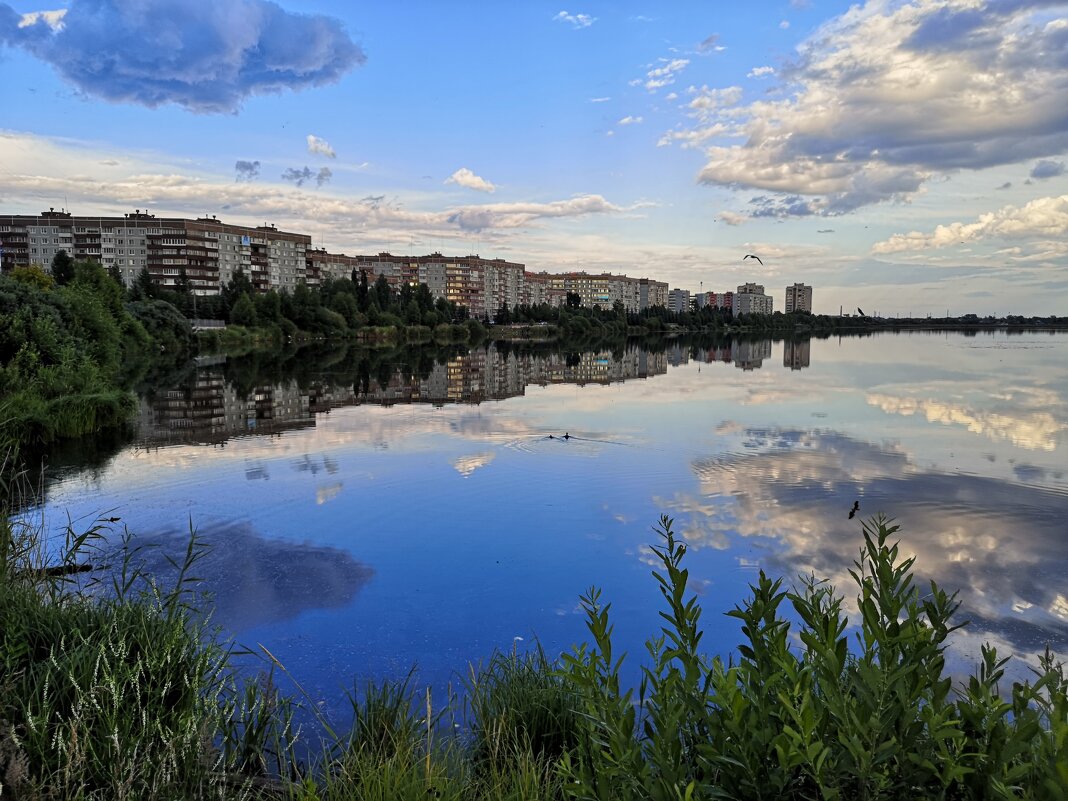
x: 33, y: 275
x: 244, y: 311
x: 813, y: 721
x: 519, y: 704
x: 62, y: 268
x: 169, y: 329
x: 61, y: 352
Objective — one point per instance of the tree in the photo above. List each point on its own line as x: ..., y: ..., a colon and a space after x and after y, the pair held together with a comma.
x: 142, y: 288
x: 383, y: 293
x: 362, y: 291
x: 62, y: 268
x: 33, y: 275
x: 244, y: 311
x: 574, y: 300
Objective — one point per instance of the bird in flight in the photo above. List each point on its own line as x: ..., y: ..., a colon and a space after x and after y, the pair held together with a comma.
x: 751, y: 256
x: 854, y: 510
x: 860, y: 311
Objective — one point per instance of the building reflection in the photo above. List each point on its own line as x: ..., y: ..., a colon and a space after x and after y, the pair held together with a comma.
x: 208, y: 408
x: 745, y: 354
x: 795, y: 354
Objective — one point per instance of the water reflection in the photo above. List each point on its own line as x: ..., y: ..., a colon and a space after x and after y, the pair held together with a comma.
x: 1003, y: 544
x: 253, y: 580
x: 209, y: 408
x: 479, y: 528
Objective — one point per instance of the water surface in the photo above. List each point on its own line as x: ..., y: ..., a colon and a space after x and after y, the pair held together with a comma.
x: 367, y: 515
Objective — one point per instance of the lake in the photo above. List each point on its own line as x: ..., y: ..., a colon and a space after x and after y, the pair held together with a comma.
x: 367, y: 514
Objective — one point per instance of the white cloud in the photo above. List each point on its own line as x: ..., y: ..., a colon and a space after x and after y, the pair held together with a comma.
x: 35, y: 170
x: 599, y: 99
x: 663, y: 75
x: 1043, y: 218
x: 629, y: 120
x: 53, y: 19
x: 731, y: 218
x: 890, y: 95
x: 576, y: 20
x: 760, y: 72
x: 320, y: 147
x: 784, y: 25
x: 464, y: 177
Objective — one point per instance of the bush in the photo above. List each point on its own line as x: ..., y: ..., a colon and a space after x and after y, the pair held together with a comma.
x: 813, y: 721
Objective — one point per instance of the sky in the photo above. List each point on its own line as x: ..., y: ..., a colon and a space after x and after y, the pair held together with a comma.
x: 903, y: 157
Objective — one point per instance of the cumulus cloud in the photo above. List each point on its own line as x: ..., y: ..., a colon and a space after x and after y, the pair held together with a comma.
x: 760, y: 72
x: 206, y: 57
x: 629, y: 120
x: 1047, y: 168
x: 1045, y: 217
x: 732, y: 218
x: 464, y: 177
x: 246, y: 170
x: 301, y: 176
x: 890, y: 95
x: 784, y: 24
x: 576, y: 20
x: 320, y: 147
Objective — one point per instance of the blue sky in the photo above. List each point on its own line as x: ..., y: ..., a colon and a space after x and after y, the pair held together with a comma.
x: 899, y: 156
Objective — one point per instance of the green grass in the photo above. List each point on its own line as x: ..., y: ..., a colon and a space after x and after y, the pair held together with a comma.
x: 121, y: 692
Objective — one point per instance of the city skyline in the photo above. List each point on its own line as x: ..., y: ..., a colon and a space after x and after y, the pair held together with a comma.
x: 904, y: 156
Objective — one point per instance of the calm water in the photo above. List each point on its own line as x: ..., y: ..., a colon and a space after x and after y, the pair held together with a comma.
x: 368, y: 516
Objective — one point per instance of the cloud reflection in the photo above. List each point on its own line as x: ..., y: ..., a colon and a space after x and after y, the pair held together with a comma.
x: 1032, y: 429
x: 1002, y: 544
x: 466, y: 465
x: 254, y: 581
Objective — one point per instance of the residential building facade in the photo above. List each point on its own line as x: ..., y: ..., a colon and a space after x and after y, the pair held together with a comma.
x: 750, y: 299
x: 799, y: 298
x: 679, y: 300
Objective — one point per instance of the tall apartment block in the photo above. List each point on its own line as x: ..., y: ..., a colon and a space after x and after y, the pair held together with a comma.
x: 798, y: 298
x: 679, y: 300
x: 207, y: 250
x: 750, y: 299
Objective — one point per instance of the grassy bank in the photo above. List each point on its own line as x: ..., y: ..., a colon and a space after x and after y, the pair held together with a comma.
x: 119, y: 690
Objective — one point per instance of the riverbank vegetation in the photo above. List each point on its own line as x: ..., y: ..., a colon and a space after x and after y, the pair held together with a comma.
x: 69, y: 349
x: 118, y: 689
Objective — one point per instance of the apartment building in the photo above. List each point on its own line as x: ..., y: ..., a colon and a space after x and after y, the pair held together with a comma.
x: 750, y: 299
x: 679, y: 300
x: 538, y: 289
x: 652, y: 293
x: 206, y: 251
x: 798, y: 298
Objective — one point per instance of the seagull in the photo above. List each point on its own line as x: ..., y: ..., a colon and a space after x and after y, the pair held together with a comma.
x: 751, y: 256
